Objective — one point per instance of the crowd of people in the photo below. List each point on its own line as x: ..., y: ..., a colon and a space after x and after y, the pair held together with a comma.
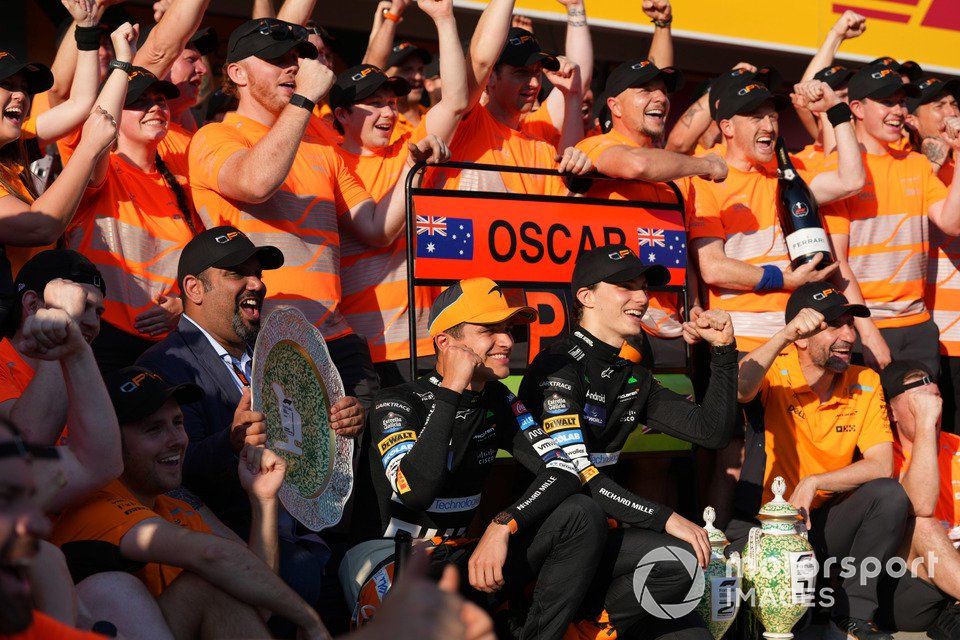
x: 148, y: 226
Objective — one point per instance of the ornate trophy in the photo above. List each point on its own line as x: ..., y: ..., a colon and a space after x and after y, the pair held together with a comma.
x: 720, y: 601
x: 780, y: 567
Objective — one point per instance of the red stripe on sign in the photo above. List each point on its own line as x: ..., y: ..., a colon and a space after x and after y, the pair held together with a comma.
x: 943, y: 15
x: 912, y: 3
x: 873, y: 13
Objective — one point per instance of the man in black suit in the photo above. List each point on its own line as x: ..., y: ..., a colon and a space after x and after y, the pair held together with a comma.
x: 220, y: 277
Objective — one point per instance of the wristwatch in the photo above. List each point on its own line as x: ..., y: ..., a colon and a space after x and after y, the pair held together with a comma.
x: 298, y: 100
x: 506, y: 519
x: 727, y: 348
x: 126, y: 67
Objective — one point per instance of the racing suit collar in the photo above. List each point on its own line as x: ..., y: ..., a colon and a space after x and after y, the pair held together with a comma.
x: 468, y: 398
x: 596, y: 347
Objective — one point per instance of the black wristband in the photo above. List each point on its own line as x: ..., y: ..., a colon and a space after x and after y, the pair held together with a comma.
x: 298, y: 100
x: 723, y: 350
x: 88, y: 38
x: 126, y: 67
x: 839, y: 113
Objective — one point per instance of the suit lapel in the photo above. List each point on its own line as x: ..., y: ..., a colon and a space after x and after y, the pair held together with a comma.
x: 209, y: 361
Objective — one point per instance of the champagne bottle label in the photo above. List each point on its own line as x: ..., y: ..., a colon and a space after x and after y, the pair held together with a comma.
x: 806, y: 241
x: 803, y: 577
x: 724, y: 591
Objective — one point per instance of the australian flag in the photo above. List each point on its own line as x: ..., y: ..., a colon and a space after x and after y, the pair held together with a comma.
x: 443, y: 237
x: 666, y: 247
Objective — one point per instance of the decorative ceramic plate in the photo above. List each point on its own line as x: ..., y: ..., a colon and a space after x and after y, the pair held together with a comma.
x: 294, y: 385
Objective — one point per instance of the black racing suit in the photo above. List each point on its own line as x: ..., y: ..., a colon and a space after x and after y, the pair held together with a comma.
x: 431, y: 450
x: 589, y: 401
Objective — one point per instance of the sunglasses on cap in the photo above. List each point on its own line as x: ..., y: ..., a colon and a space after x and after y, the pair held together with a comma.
x: 282, y: 31
x: 20, y: 449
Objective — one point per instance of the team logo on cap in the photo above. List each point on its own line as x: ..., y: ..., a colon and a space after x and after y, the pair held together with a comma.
x: 137, y: 381
x: 357, y: 77
x: 800, y: 209
x: 823, y: 294
x: 619, y: 255
x: 402, y: 46
x: 929, y: 82
x: 880, y: 75
x: 227, y: 237
x: 749, y: 89
x: 640, y: 65
x: 832, y: 70
x: 519, y: 40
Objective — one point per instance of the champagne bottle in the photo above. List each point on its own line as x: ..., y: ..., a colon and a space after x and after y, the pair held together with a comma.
x: 799, y: 215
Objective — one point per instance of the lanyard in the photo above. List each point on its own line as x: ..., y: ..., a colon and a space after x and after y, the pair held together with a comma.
x: 237, y: 371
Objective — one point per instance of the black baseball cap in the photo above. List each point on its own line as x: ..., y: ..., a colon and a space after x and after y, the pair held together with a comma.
x: 223, y: 247
x: 362, y: 81
x: 892, y: 376
x: 38, y: 77
x: 741, y: 96
x: 204, y: 40
x: 140, y: 80
x: 523, y: 49
x: 615, y: 263
x: 630, y: 74
x: 836, y: 76
x: 879, y: 82
x: 824, y: 298
x: 768, y: 76
x: 932, y: 88
x: 909, y: 68
x: 44, y: 267
x: 268, y: 39
x: 137, y: 393
x: 403, y: 50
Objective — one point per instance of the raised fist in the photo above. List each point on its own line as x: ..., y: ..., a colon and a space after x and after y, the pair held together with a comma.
x: 850, y: 25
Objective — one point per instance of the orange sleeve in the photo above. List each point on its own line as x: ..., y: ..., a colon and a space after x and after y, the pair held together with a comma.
x: 876, y: 424
x: 539, y: 126
x: 348, y: 190
x: 106, y: 516
x: 68, y: 144
x: 9, y: 389
x: 836, y: 218
x: 212, y: 146
x: 594, y: 147
x: 703, y: 212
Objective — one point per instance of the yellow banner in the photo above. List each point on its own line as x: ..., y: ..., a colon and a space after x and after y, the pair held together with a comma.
x: 927, y: 31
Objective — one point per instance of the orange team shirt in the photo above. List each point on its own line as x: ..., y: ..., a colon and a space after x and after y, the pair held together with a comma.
x: 812, y: 155
x: 131, y: 228
x: 322, y: 125
x: 481, y: 138
x: 742, y: 211
x: 403, y: 126
x: 888, y: 229
x: 540, y: 126
x: 942, y: 293
x: 947, y: 510
x: 903, y: 144
x: 300, y: 218
x: 15, y: 373
x: 107, y: 516
x: 803, y: 436
x: 663, y: 317
x: 173, y: 149
x: 18, y: 256
x: 43, y: 627
x: 374, y: 279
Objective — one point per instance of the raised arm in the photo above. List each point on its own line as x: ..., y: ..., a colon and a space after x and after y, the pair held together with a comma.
x: 946, y: 213
x: 757, y: 363
x: 383, y: 35
x: 261, y: 473
x: 850, y: 175
x: 922, y: 478
x: 849, y: 25
x: 296, y: 11
x: 263, y: 9
x: 488, y: 40
x: 442, y: 118
x: 253, y: 175
x: 691, y: 125
x: 69, y: 111
x: 578, y: 48
x: 658, y: 165
x: 661, y: 47
x: 224, y: 563
x: 167, y: 40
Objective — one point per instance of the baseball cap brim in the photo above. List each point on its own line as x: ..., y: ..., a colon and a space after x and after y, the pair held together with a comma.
x: 547, y: 60
x: 396, y: 84
x: 166, y: 88
x: 522, y: 315
x: 656, y: 275
x: 400, y: 57
x: 909, y: 90
x: 270, y: 258
x: 182, y: 393
x: 856, y: 310
x: 280, y: 48
x: 205, y: 41
x: 38, y: 77
x: 780, y: 102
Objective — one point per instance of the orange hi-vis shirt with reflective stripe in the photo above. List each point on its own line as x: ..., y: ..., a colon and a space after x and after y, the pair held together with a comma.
x: 300, y: 218
x: 133, y: 230
x: 662, y: 317
x: 947, y: 510
x: 942, y: 293
x: 742, y: 212
x: 481, y: 138
x: 174, y: 149
x: 888, y: 228
x: 812, y: 155
x: 374, y: 279
x: 803, y: 436
x: 18, y: 256
x: 403, y: 126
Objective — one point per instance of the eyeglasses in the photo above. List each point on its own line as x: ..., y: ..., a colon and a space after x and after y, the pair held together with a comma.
x: 282, y: 31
